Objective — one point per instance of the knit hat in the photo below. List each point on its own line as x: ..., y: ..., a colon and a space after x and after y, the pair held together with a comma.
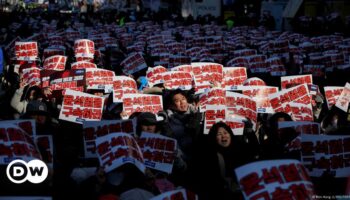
x: 147, y: 118
x: 36, y: 107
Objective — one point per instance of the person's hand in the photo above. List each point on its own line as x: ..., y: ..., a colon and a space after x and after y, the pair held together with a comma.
x: 23, y: 82
x: 47, y: 92
x: 123, y: 115
x: 101, y: 175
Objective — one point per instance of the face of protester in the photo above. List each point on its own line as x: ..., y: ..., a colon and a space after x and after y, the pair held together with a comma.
x: 223, y: 137
x: 180, y: 103
x: 149, y: 128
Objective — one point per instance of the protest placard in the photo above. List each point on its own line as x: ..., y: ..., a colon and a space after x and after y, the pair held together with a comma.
x: 274, y: 179
x: 213, y: 114
x: 116, y: 149
x: 344, y: 98
x: 45, y: 147
x: 57, y: 63
x: 101, y: 79
x: 181, y: 194
x: 15, y: 143
x: 177, y: 80
x: 254, y: 81
x: 213, y: 96
x: 315, y: 70
x: 289, y: 132
x: 332, y: 93
x: 257, y: 63
x: 239, y: 105
x: 26, y: 50
x: 326, y: 153
x: 78, y: 107
x: 134, y: 63
x: 154, y: 75
x: 123, y: 85
x: 301, y: 112
x: 234, y: 77
x: 184, y: 68
x: 83, y: 65
x: 94, y: 129
x: 206, y: 74
x: 158, y: 151
x: 260, y: 95
x: 291, y: 81
x: 48, y: 52
x: 84, y: 48
x: 142, y: 103
x: 31, y: 76
x: 280, y: 100
x: 237, y: 126
x: 176, y: 60
x: 69, y: 79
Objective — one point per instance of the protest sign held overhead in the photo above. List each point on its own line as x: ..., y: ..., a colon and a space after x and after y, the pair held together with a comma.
x: 177, y: 80
x: 234, y: 77
x: 291, y: 81
x: 123, y: 85
x: 332, y: 93
x: 142, y: 103
x: 158, y: 151
x: 57, y: 63
x: 116, y: 149
x: 83, y: 65
x: 344, y: 98
x: 101, y: 79
x: 213, y: 114
x: 134, y: 63
x: 78, y: 107
x: 70, y: 79
x: 240, y: 106
x: 26, y: 50
x: 84, y: 48
x: 206, y: 74
x: 260, y: 95
x: 155, y: 75
x: 94, y: 129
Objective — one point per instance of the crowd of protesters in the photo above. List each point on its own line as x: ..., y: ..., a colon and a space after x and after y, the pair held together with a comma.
x: 204, y: 164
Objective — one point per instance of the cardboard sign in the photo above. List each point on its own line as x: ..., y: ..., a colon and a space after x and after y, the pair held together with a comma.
x: 57, y: 63
x: 332, y: 94
x: 177, y: 80
x: 205, y: 74
x: 83, y: 65
x: 234, y: 77
x: 344, y: 98
x: 78, y: 107
x: 315, y: 70
x: 238, y: 62
x: 214, y: 96
x: 69, y: 79
x: 84, y: 48
x: 158, y: 151
x: 45, y: 146
x: 290, y: 131
x: 321, y: 153
x: 26, y: 50
x: 213, y: 114
x: 260, y: 96
x: 142, y: 103
x: 48, y: 52
x: 254, y: 81
x: 133, y: 63
x: 239, y: 105
x: 273, y: 178
x: 27, y: 125
x: 184, y: 68
x: 176, y: 60
x: 15, y: 143
x: 280, y: 100
x: 237, y: 126
x: 99, y: 79
x: 257, y: 63
x: 291, y: 81
x: 181, y: 194
x: 123, y: 85
x: 117, y: 149
x: 31, y: 76
x: 301, y: 112
x: 154, y: 75
x: 94, y: 129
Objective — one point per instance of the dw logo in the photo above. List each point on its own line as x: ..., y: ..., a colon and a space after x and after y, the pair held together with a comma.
x: 18, y: 171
